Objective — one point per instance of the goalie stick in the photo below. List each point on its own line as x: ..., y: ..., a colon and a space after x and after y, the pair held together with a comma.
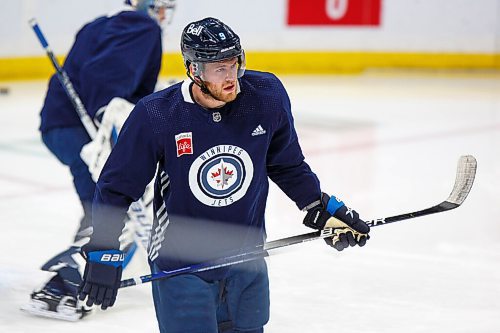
x: 65, y: 82
x: 137, y: 208
x: 466, y: 172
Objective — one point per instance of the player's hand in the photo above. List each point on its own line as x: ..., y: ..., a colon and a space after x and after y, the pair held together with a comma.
x: 101, y: 279
x: 348, y: 229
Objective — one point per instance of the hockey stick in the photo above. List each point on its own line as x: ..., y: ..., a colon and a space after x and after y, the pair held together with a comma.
x: 65, y: 82
x: 466, y: 172
x: 138, y: 207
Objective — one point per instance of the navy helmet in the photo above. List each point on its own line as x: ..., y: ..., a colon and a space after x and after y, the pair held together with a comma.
x: 210, y: 40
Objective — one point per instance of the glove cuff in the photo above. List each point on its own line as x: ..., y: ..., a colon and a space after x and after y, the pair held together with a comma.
x: 334, y: 204
x: 113, y: 258
x: 317, y: 216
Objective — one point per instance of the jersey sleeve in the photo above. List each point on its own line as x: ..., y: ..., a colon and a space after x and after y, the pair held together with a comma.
x: 128, y: 170
x: 126, y: 63
x: 285, y: 162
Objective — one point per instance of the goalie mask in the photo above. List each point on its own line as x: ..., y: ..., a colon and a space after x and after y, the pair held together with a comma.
x: 160, y: 10
x: 209, y: 46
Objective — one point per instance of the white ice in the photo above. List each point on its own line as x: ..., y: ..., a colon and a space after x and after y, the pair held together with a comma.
x: 386, y: 143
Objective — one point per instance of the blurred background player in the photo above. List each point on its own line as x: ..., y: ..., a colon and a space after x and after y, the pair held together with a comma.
x: 218, y: 138
x: 113, y: 56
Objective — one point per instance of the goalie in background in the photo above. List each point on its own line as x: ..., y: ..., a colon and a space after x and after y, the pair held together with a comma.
x: 216, y: 138
x: 113, y: 56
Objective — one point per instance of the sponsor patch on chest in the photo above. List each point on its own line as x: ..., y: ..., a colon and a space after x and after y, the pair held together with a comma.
x: 184, y: 143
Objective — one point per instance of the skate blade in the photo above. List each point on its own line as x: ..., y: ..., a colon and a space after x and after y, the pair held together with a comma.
x: 41, y: 309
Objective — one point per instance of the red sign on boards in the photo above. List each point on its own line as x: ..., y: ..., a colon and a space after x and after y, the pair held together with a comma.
x: 334, y: 12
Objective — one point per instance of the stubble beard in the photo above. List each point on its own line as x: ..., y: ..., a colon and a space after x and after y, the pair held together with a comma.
x: 218, y: 93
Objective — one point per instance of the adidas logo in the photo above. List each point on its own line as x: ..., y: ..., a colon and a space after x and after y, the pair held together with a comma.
x: 258, y: 131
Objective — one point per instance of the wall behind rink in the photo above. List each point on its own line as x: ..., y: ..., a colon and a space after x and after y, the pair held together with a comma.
x: 407, y: 33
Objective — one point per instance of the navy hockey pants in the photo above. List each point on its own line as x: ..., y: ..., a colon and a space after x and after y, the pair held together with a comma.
x: 66, y: 143
x: 189, y: 304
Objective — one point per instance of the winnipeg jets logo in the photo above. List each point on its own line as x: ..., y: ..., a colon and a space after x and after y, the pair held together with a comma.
x: 221, y: 175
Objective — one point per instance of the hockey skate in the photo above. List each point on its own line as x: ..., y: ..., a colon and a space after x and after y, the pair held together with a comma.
x: 55, y: 301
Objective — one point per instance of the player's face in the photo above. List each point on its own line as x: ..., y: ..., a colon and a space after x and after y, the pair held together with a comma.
x: 160, y: 12
x: 221, y: 79
x: 160, y: 15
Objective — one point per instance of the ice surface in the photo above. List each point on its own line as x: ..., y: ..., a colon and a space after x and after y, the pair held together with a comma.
x: 384, y: 143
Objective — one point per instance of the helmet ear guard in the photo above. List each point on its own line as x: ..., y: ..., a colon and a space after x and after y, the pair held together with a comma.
x: 242, y: 64
x: 195, y: 67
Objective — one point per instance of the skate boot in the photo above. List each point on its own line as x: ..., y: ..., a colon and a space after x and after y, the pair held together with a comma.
x: 56, y: 301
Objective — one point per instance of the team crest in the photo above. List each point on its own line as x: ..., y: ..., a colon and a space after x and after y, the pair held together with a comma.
x: 221, y: 175
x: 184, y: 142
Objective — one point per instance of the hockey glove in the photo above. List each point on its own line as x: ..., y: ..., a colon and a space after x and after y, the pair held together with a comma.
x: 348, y: 228
x: 101, y: 278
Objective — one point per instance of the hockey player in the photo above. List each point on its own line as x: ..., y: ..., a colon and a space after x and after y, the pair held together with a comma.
x: 112, y: 56
x: 217, y: 137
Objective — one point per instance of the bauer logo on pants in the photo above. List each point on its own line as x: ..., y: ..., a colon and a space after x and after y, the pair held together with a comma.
x: 184, y: 142
x: 221, y: 175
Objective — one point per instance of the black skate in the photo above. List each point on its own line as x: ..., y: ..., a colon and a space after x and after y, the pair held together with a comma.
x: 53, y: 302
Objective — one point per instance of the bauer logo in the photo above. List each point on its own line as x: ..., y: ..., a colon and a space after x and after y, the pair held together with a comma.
x: 184, y: 143
x: 194, y: 30
x: 113, y: 257
x: 227, y: 49
x: 221, y: 175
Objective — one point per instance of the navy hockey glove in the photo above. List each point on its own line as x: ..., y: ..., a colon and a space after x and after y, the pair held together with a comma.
x: 101, y: 279
x: 348, y: 228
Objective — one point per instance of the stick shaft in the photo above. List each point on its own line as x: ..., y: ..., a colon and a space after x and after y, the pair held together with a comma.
x: 466, y: 173
x: 66, y: 82
x: 138, y: 207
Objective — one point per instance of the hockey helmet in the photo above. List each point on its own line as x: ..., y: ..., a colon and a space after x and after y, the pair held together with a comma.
x: 208, y: 41
x: 152, y: 8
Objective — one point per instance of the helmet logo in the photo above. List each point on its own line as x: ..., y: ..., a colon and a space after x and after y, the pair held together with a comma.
x: 222, y: 36
x: 227, y: 49
x: 194, y: 30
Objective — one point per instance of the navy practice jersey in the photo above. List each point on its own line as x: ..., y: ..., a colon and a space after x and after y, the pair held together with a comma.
x: 213, y: 168
x: 116, y: 56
